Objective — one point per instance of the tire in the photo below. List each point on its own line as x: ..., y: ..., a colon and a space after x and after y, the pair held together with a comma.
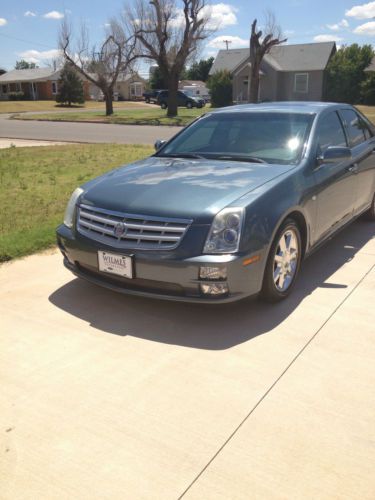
x: 147, y: 100
x: 163, y: 105
x: 189, y: 105
x: 278, y: 285
x: 370, y: 214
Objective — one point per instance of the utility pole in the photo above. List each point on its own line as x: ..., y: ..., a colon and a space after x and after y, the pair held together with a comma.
x: 227, y: 42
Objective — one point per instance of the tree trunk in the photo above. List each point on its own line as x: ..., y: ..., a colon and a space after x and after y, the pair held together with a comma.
x: 254, y: 84
x: 172, y: 96
x: 108, y: 103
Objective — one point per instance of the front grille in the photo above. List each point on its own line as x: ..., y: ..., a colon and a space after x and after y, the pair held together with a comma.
x: 140, y: 231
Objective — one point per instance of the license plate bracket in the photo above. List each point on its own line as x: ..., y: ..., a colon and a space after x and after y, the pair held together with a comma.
x: 114, y: 263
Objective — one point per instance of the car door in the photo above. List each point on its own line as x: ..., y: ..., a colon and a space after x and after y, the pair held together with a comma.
x: 362, y: 144
x: 335, y: 183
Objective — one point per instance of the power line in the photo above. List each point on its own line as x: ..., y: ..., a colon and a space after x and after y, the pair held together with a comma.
x: 27, y: 41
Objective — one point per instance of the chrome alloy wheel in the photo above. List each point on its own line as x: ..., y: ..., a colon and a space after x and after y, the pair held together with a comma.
x: 285, y: 260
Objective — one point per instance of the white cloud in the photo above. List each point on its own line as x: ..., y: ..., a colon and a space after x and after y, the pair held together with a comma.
x: 219, y: 16
x: 327, y: 38
x: 3, y: 21
x: 37, y: 56
x: 288, y: 32
x: 235, y: 41
x: 366, y: 29
x: 54, y: 14
x: 365, y: 11
x: 338, y: 26
x: 29, y: 13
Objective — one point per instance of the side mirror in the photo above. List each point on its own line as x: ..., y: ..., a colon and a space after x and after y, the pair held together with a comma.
x: 158, y: 144
x: 334, y: 154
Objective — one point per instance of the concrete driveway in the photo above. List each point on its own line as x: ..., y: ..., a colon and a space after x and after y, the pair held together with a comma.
x: 105, y: 396
x: 83, y: 132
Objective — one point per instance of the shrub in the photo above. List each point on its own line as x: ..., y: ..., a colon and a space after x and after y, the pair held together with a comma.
x: 16, y: 96
x: 220, y: 85
x: 70, y: 87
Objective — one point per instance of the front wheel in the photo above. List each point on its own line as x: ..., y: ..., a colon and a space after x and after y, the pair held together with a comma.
x: 163, y: 105
x: 370, y: 214
x: 147, y: 100
x: 283, y: 263
x: 189, y: 105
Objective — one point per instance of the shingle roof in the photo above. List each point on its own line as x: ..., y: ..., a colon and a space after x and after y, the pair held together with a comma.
x: 371, y: 66
x: 25, y: 75
x: 299, y: 57
x: 229, y: 59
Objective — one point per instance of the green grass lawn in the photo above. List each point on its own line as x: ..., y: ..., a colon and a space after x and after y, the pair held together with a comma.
x: 22, y: 106
x: 141, y: 116
x: 36, y: 183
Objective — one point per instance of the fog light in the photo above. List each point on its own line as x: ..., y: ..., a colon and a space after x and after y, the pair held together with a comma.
x: 214, y: 288
x: 213, y: 273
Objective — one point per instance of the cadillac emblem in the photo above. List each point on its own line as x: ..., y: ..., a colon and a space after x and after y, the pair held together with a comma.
x: 119, y: 230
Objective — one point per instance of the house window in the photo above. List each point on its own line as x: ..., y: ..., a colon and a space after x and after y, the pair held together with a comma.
x: 301, y: 83
x: 4, y: 89
x: 54, y: 87
x: 18, y: 87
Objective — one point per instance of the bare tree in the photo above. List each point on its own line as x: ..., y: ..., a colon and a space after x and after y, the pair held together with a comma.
x: 260, y: 46
x: 101, y: 66
x: 169, y: 32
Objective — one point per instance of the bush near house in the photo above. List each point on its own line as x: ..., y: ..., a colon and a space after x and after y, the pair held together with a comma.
x: 346, y: 73
x: 16, y: 96
x: 70, y: 87
x: 220, y: 85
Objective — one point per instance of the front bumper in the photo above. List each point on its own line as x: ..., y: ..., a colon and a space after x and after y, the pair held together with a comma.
x: 158, y: 275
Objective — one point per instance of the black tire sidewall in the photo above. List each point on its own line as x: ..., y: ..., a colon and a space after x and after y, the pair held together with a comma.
x: 269, y: 290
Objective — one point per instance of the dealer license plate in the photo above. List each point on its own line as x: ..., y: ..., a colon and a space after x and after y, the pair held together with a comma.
x: 113, y: 263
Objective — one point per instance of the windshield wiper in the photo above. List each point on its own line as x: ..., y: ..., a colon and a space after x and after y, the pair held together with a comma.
x: 182, y: 155
x: 250, y: 159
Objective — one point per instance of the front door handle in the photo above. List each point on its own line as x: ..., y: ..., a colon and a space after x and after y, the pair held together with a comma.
x: 353, y: 168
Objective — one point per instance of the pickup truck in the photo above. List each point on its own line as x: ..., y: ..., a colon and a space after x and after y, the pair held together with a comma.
x: 151, y: 96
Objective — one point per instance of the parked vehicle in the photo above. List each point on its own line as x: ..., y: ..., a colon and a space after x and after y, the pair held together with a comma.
x: 183, y: 99
x: 151, y: 96
x: 228, y: 208
x: 197, y: 91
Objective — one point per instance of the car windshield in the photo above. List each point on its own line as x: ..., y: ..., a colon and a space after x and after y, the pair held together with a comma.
x: 261, y: 137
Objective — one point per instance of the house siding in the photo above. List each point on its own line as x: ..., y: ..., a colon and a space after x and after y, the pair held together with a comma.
x: 286, y: 86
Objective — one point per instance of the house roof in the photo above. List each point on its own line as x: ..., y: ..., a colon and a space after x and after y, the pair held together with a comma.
x: 299, y: 57
x: 192, y: 83
x: 229, y: 59
x: 371, y: 66
x: 26, y: 75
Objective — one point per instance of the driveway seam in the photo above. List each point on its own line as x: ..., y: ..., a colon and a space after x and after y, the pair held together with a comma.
x: 275, y: 382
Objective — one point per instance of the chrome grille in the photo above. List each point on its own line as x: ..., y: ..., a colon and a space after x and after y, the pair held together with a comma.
x: 140, y: 231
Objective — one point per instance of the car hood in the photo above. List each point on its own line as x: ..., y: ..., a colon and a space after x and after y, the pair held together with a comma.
x: 184, y: 188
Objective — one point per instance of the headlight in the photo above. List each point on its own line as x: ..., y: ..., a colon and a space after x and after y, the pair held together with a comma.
x: 225, y: 231
x: 71, y: 206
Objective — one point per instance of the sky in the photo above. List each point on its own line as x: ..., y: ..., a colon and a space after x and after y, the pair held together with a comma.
x: 28, y: 29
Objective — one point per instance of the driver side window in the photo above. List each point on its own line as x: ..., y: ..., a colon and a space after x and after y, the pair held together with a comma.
x: 330, y: 132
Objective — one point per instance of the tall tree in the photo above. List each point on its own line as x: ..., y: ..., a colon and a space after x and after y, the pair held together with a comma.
x: 22, y: 64
x: 70, y: 86
x: 115, y: 55
x: 199, y: 70
x: 169, y: 32
x: 345, y: 73
x: 260, y: 45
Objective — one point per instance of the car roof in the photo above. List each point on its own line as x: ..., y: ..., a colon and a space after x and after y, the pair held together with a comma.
x: 309, y: 107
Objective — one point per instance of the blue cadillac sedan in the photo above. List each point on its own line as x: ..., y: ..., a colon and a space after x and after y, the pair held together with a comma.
x: 228, y: 208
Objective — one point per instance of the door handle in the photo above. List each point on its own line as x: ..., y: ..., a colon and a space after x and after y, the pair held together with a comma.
x: 353, y: 168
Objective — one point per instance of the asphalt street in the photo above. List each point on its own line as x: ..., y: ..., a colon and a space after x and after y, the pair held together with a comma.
x: 83, y: 132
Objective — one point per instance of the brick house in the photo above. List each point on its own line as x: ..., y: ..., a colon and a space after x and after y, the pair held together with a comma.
x: 37, y: 83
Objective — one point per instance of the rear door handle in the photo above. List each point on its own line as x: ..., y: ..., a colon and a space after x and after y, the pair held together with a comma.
x: 353, y: 168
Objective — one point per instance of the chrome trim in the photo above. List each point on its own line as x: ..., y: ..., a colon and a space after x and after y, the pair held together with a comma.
x: 141, y: 231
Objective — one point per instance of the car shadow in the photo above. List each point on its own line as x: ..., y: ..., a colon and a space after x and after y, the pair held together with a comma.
x: 207, y: 326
